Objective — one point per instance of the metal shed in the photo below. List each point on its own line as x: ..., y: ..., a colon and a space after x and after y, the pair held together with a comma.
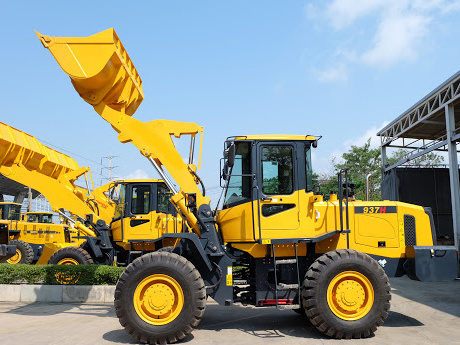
x: 432, y: 124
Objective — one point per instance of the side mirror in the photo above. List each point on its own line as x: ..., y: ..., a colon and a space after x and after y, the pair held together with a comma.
x: 231, y: 155
x: 315, y: 144
x: 225, y: 172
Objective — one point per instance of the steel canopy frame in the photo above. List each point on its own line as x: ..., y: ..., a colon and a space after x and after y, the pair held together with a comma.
x: 434, y: 124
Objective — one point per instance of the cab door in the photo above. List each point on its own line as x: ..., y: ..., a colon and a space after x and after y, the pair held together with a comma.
x: 278, y: 193
x: 138, y: 214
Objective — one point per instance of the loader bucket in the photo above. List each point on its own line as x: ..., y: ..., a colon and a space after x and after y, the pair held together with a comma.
x: 19, y: 147
x: 99, y: 68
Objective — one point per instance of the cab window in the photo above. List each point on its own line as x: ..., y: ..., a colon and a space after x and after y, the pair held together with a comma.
x: 277, y: 170
x: 239, y: 183
x: 120, y: 201
x: 308, y: 169
x: 140, y: 199
x: 32, y: 218
x: 47, y: 218
x: 163, y: 196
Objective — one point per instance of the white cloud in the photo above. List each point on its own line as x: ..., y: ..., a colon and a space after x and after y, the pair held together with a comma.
x: 323, y: 163
x: 331, y: 74
x: 398, y: 37
x: 137, y: 175
x: 380, y: 33
x: 370, y: 133
x: 342, y: 13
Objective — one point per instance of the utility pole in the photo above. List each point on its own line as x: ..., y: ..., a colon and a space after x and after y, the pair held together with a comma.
x: 110, y: 168
x: 29, y: 197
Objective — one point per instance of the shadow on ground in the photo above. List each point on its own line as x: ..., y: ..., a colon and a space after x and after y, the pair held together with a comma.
x: 41, y: 309
x: 443, y: 296
x: 120, y: 336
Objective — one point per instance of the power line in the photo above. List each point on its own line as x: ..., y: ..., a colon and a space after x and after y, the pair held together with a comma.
x: 70, y: 152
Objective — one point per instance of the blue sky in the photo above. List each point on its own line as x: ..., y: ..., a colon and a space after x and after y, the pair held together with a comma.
x: 340, y: 69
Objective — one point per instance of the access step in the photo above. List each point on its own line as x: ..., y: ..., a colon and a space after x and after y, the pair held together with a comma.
x: 282, y: 286
x: 289, y: 306
x: 285, y: 261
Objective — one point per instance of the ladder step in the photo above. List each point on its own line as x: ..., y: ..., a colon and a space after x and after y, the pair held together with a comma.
x: 289, y: 306
x: 285, y: 261
x: 240, y: 282
x: 135, y: 252
x: 282, y: 286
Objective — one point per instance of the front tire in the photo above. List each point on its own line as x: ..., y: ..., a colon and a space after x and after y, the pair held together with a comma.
x: 24, y: 253
x: 71, y: 256
x: 160, y: 298
x: 346, y: 294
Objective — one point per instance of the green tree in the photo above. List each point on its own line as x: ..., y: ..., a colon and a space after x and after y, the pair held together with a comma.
x: 362, y: 160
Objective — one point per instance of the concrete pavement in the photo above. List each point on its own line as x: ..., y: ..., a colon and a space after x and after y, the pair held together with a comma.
x: 421, y: 313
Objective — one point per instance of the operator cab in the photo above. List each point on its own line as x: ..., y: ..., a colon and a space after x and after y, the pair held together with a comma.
x: 268, y: 184
x: 142, y: 205
x: 10, y: 211
x: 40, y: 217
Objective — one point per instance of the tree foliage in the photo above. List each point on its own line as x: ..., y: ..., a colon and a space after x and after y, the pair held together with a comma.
x: 364, y: 160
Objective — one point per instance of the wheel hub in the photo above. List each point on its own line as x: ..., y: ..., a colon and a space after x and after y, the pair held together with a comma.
x: 158, y: 299
x: 68, y: 261
x: 350, y: 295
x: 16, y: 258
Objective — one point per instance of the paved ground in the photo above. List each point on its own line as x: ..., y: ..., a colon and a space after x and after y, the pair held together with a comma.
x: 421, y: 313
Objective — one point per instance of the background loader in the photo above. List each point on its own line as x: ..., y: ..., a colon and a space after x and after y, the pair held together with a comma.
x: 273, y: 243
x: 145, y: 203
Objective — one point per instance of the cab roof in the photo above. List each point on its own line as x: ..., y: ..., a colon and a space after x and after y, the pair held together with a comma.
x: 36, y: 212
x: 139, y: 180
x: 10, y: 203
x: 276, y: 137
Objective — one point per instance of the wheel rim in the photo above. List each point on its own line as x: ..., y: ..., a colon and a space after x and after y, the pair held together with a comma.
x: 158, y: 299
x: 350, y: 295
x: 68, y: 261
x: 16, y: 258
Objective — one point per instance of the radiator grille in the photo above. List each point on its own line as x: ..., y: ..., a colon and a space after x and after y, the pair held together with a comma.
x: 409, y: 230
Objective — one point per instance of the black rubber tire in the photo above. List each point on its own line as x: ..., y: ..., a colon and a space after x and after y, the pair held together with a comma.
x: 76, y: 253
x: 316, y: 283
x: 27, y: 253
x: 301, y: 310
x: 189, y: 279
x: 168, y: 249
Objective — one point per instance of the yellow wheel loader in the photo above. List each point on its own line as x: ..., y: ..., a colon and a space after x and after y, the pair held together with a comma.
x: 274, y: 243
x: 144, y: 204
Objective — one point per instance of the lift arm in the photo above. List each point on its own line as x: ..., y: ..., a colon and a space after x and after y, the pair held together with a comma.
x: 104, y: 76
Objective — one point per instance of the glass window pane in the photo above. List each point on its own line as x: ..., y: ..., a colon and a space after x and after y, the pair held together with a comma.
x: 239, y: 187
x: 277, y: 170
x: 140, y: 201
x: 119, y: 209
x: 308, y: 169
x: 163, y: 203
x: 47, y: 218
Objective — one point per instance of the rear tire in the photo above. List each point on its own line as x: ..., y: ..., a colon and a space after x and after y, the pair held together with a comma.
x: 346, y: 294
x: 160, y: 298
x: 71, y: 256
x: 24, y: 253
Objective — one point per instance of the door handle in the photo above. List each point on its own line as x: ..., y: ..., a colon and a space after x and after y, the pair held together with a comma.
x: 266, y: 199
